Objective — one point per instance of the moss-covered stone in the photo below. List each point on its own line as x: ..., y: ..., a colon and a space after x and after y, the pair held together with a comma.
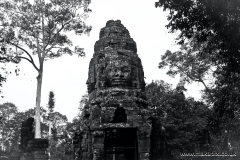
x: 116, y: 95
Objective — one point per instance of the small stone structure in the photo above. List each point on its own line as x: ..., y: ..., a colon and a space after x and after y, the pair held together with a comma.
x: 31, y: 148
x: 27, y: 133
x: 116, y: 122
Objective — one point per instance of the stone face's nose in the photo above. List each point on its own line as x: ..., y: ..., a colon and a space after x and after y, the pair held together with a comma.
x: 118, y: 73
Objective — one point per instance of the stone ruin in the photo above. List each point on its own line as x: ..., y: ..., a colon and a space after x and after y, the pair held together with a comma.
x: 116, y: 123
x: 27, y: 133
x: 31, y: 148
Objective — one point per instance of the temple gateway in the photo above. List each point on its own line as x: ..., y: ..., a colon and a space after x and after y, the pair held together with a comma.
x: 116, y: 121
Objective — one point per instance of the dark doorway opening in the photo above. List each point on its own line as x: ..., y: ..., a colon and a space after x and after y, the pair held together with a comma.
x: 120, y: 144
x: 119, y: 116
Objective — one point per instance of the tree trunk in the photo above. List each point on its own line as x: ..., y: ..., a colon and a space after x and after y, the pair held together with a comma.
x: 37, y: 109
x: 49, y: 138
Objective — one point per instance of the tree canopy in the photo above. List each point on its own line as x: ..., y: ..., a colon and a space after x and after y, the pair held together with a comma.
x: 11, y: 123
x: 214, y: 22
x: 213, y: 26
x: 190, y: 65
x: 178, y: 122
x: 39, y: 28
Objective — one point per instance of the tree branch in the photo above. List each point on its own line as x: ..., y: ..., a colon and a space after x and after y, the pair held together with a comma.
x: 194, y: 79
x: 207, y: 89
x: 21, y: 49
x: 29, y: 61
x: 63, y: 25
x: 50, y: 33
x: 38, y: 51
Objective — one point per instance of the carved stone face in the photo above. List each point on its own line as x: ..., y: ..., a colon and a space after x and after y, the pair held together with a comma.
x: 118, y: 73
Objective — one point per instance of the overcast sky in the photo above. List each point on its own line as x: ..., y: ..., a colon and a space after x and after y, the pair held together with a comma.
x: 66, y: 76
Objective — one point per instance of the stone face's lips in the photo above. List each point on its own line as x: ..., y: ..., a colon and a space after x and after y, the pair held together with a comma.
x: 119, y: 79
x: 116, y: 82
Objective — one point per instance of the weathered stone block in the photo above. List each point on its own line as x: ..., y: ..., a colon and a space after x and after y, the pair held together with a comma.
x: 26, y: 156
x: 84, y: 154
x: 98, y: 140
x: 37, y: 144
x: 27, y: 133
x: 98, y: 146
x: 84, y: 145
x: 144, y: 145
x: 14, y: 157
x: 40, y: 155
x: 144, y: 156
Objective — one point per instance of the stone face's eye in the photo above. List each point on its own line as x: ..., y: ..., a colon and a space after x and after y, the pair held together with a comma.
x: 125, y: 69
x: 102, y: 70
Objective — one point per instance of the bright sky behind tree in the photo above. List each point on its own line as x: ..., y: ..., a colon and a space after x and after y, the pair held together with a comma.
x: 66, y: 76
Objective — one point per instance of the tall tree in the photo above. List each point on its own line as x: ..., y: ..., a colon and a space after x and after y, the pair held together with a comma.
x: 39, y: 28
x: 215, y: 23
x: 208, y: 20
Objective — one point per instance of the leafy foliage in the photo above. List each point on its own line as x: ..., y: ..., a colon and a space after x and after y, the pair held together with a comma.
x: 214, y: 24
x: 3, y: 60
x: 40, y: 28
x: 190, y: 65
x: 9, y: 126
x: 177, y: 120
x: 60, y: 138
x: 215, y: 21
x: 51, y: 101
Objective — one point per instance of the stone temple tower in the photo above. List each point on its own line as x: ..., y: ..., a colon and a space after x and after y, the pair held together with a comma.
x: 117, y: 125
